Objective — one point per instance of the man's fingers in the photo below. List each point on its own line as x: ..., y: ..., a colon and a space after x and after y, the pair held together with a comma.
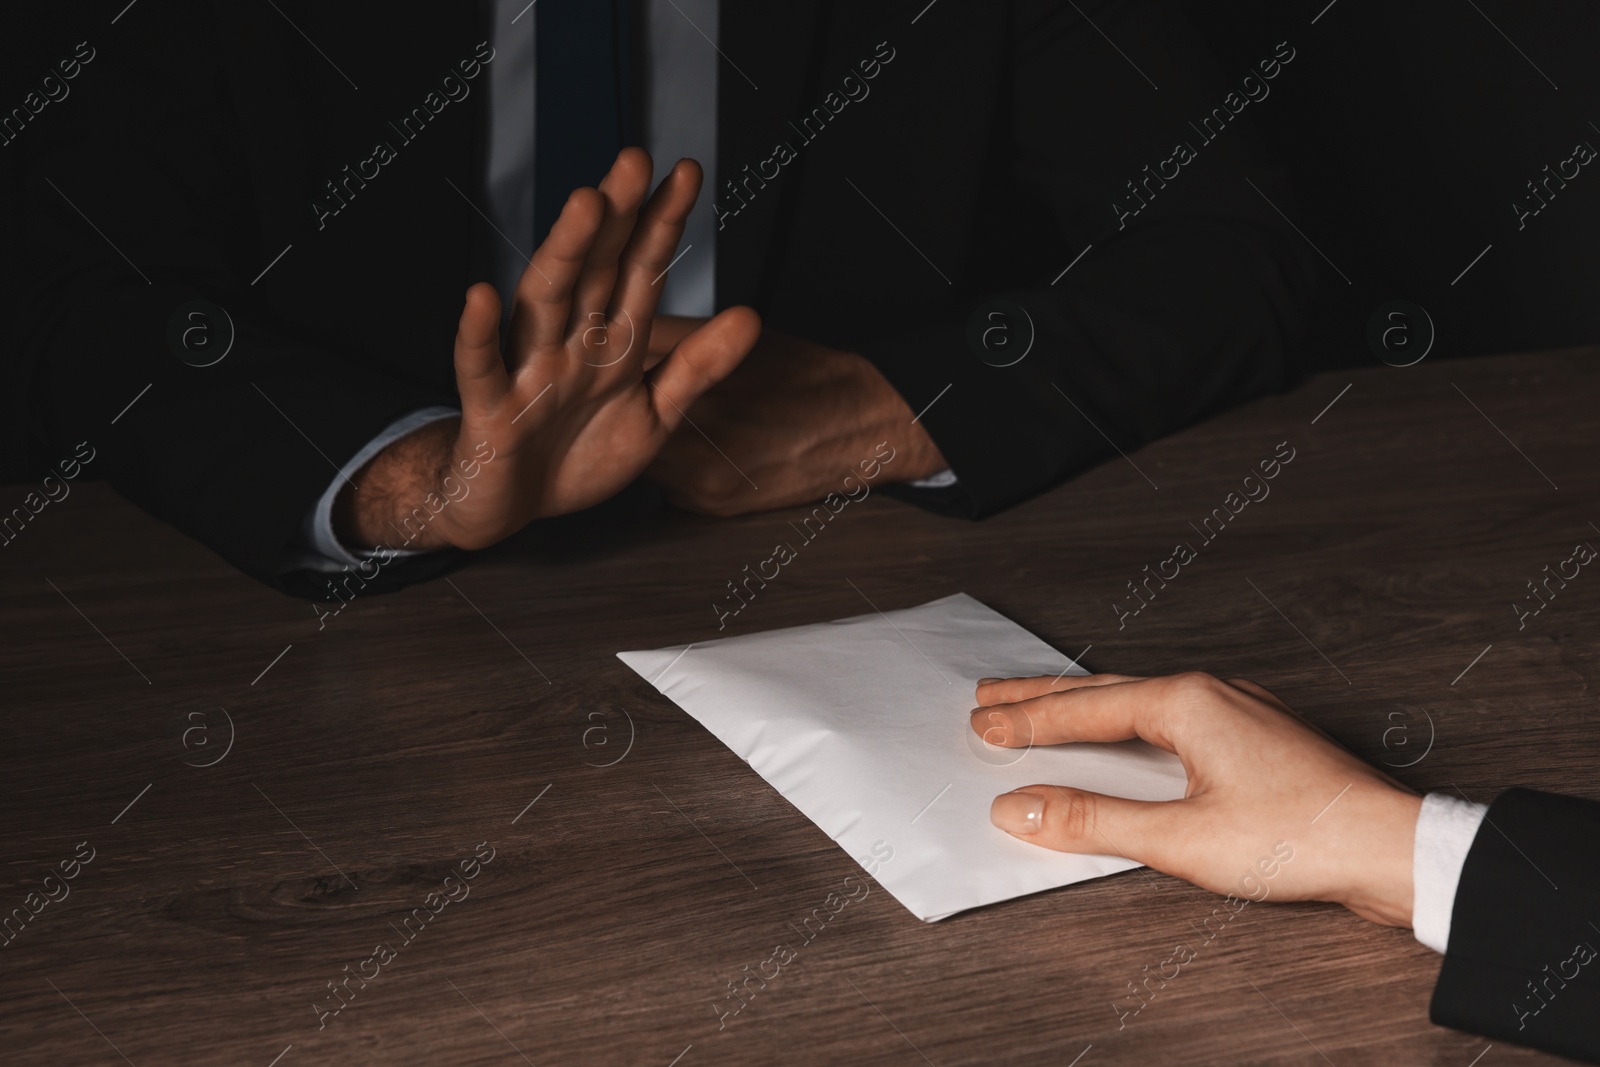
x: 654, y: 244
x: 1010, y: 690
x: 700, y: 361
x: 480, y: 371
x: 544, y: 294
x: 1074, y: 820
x: 624, y: 188
x: 1113, y: 711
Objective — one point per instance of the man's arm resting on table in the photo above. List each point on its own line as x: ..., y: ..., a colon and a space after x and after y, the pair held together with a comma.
x: 1197, y: 303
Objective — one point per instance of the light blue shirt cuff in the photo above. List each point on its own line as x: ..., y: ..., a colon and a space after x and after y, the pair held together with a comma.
x: 326, y: 553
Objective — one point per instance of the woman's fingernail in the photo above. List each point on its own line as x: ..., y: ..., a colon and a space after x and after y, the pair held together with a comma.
x: 1018, y: 813
x: 992, y: 726
x: 988, y: 681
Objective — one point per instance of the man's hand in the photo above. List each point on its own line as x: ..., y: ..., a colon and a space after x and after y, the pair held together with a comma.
x: 1258, y: 775
x: 785, y: 428
x: 572, y: 411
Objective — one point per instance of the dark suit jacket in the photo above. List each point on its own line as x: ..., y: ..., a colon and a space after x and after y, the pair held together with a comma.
x: 1524, y: 955
x: 985, y: 152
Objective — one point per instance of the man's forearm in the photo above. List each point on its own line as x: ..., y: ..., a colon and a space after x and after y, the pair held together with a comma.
x: 383, y: 494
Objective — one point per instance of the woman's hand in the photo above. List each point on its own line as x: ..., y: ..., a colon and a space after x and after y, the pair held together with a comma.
x: 1259, y: 777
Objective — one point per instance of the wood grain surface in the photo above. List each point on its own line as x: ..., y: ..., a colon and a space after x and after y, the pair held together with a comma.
x: 369, y: 757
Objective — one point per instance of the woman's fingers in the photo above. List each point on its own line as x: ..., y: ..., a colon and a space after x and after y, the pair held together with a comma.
x: 1259, y: 781
x: 1089, y: 711
x: 544, y: 294
x: 701, y: 360
x: 1075, y: 820
x: 480, y: 371
x: 1010, y: 690
x: 1262, y: 693
x: 624, y: 189
x: 655, y: 243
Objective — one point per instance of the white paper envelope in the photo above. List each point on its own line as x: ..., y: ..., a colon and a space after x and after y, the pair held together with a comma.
x: 862, y: 724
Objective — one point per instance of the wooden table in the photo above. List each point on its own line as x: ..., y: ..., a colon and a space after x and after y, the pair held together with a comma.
x: 639, y: 866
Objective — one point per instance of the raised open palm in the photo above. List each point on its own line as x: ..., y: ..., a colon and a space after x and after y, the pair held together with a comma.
x: 573, y: 408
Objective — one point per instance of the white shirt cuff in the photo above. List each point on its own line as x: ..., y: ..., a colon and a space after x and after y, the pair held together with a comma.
x: 328, y: 554
x: 1446, y: 828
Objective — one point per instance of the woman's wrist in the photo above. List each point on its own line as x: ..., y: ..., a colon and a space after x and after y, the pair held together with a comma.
x: 1379, y: 858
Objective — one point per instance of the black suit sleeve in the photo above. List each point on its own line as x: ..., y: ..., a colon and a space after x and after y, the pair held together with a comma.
x: 138, y: 201
x: 1192, y: 290
x: 1522, y: 964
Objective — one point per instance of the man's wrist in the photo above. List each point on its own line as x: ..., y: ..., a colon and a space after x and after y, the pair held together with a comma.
x: 922, y: 455
x: 917, y: 456
x: 370, y: 509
